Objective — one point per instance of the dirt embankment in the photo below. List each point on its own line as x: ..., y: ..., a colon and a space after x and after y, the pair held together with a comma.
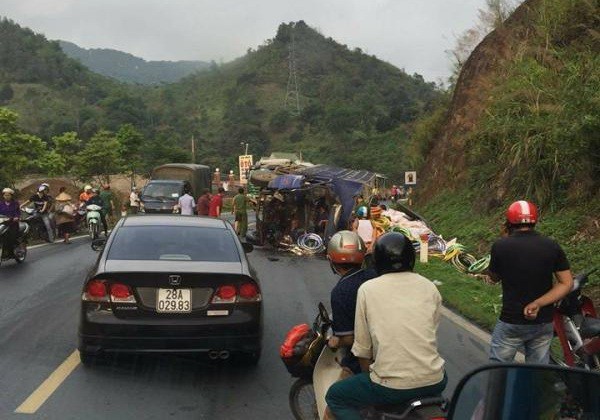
x: 446, y: 165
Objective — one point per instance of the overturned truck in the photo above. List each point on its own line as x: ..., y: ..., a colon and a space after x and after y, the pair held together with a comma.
x: 305, y: 207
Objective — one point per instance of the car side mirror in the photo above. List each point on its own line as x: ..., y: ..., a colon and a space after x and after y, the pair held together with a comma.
x: 98, y: 244
x: 509, y: 391
x: 248, y: 247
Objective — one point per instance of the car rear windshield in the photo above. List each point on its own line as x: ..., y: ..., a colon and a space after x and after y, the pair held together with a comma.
x: 173, y: 243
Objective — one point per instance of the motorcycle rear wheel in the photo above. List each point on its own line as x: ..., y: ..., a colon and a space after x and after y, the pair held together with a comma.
x: 94, y: 230
x: 302, y: 400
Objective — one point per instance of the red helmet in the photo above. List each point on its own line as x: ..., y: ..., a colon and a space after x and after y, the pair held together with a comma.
x: 522, y: 212
x: 346, y: 247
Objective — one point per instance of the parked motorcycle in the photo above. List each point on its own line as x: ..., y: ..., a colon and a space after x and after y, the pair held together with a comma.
x: 307, y: 357
x: 93, y: 220
x: 576, y: 329
x: 18, y: 249
x: 36, y: 224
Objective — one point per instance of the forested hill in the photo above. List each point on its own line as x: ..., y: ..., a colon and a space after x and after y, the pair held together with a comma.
x: 129, y: 68
x: 353, y: 109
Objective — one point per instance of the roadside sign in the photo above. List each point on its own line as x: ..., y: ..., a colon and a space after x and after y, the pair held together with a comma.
x: 410, y: 177
x: 245, y: 162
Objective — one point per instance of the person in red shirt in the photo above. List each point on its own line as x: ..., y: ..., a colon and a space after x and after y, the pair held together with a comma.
x: 203, y: 205
x: 216, y: 203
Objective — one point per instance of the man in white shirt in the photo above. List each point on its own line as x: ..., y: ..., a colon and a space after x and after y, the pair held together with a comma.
x: 397, y: 316
x: 186, y: 203
x: 134, y: 201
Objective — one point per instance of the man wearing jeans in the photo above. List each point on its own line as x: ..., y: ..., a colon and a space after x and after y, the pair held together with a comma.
x: 525, y: 262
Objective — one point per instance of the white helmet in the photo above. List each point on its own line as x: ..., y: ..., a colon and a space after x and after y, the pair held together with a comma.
x: 87, y: 188
x: 8, y: 191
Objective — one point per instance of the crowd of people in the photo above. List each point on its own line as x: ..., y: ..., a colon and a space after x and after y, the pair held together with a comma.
x: 211, y: 205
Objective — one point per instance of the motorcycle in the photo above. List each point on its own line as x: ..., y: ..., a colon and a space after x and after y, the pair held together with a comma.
x: 93, y: 220
x: 317, y: 367
x: 17, y: 250
x: 36, y: 224
x: 576, y: 329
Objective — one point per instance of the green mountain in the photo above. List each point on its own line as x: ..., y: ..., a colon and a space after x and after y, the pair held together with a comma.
x: 129, y: 68
x: 352, y: 109
x: 349, y: 108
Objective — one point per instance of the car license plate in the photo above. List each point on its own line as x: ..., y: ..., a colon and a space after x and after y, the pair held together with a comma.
x: 174, y: 300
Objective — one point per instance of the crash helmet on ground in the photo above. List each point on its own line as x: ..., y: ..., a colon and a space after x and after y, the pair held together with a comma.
x: 8, y: 191
x: 362, y: 211
x: 393, y: 252
x: 522, y: 213
x: 346, y: 247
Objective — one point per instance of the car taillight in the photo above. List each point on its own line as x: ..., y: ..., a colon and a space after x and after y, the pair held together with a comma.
x: 95, y: 291
x: 121, y: 293
x: 225, y: 294
x: 249, y: 292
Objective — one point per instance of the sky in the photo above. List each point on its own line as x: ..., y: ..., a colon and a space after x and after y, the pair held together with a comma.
x: 414, y: 35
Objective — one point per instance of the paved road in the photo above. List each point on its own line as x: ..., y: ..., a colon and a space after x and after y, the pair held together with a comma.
x: 38, y: 322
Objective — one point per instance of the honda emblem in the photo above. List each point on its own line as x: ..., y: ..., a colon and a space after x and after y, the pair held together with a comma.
x: 175, y: 280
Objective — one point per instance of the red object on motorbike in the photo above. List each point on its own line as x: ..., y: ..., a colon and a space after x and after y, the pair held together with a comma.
x: 293, y: 336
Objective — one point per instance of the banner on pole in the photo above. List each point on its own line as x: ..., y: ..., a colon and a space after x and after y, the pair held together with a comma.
x: 245, y: 162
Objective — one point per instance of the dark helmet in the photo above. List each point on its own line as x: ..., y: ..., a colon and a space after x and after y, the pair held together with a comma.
x: 393, y: 252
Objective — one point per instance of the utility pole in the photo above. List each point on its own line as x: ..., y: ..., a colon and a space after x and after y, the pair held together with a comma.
x: 193, y: 149
x: 292, y: 95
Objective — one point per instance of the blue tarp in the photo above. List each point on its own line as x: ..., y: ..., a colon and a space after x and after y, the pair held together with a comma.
x: 287, y: 182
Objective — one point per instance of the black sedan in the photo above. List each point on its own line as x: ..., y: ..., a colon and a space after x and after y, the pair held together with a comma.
x: 170, y: 283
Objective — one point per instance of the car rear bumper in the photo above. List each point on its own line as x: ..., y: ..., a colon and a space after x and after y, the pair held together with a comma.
x: 102, y: 331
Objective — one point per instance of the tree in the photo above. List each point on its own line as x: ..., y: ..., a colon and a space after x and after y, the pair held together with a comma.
x: 100, y: 158
x: 20, y: 152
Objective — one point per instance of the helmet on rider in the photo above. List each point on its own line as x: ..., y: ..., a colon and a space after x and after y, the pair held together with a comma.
x: 8, y: 191
x: 87, y: 188
x: 345, y: 251
x: 522, y: 213
x: 393, y: 252
x: 362, y: 211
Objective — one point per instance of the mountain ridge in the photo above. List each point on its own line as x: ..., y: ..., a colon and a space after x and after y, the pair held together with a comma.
x: 129, y: 68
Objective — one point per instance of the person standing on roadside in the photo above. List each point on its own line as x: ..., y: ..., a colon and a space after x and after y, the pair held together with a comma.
x: 240, y: 210
x: 186, y: 203
x: 134, y: 201
x: 525, y: 262
x: 216, y: 203
x: 65, y: 215
x: 203, y: 205
x: 109, y: 202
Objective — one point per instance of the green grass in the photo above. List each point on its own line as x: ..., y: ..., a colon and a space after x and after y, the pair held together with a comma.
x: 467, y: 295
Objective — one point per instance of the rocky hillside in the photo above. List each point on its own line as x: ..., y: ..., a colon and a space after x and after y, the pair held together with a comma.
x: 524, y: 119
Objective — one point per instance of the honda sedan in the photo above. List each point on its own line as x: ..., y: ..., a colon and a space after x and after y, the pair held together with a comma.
x: 170, y: 283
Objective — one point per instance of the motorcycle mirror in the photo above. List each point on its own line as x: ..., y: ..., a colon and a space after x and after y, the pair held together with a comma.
x: 323, y: 312
x: 503, y: 391
x: 98, y: 244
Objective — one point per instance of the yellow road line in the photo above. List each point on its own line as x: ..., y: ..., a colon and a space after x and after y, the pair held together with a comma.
x: 47, y: 388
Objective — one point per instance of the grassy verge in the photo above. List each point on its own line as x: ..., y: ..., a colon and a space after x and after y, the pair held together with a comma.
x: 452, y: 215
x: 467, y: 295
